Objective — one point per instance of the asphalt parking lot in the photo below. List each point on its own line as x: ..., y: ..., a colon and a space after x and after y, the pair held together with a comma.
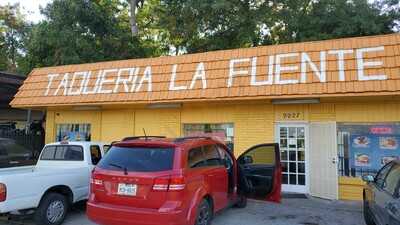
x: 289, y: 212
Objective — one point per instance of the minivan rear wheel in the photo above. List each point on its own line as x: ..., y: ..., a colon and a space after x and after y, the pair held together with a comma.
x: 204, y: 213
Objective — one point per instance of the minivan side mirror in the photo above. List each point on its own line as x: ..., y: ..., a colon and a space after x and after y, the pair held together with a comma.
x: 368, y: 178
x: 248, y: 159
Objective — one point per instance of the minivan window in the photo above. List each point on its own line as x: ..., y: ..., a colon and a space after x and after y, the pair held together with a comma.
x: 196, y: 158
x: 204, y: 156
x: 212, y: 156
x: 63, y: 153
x: 138, y: 159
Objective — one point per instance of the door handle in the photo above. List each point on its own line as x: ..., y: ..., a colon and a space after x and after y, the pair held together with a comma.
x: 334, y: 160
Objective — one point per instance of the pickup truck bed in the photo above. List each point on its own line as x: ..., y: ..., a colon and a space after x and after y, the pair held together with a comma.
x: 61, y: 175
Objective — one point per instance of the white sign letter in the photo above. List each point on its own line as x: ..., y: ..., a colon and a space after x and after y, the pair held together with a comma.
x: 361, y: 64
x: 51, y: 78
x: 134, y: 79
x: 124, y: 81
x: 172, y: 86
x: 63, y: 84
x: 254, y: 81
x: 340, y: 55
x: 279, y: 68
x: 71, y: 86
x: 146, y: 77
x: 321, y: 74
x: 96, y: 85
x: 200, y: 74
x: 105, y: 81
x: 232, y: 71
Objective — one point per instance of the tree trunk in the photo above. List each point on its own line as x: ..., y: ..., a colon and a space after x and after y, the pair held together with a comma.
x: 134, y: 27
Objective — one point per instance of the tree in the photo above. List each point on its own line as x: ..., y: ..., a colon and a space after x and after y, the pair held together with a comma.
x: 13, y: 28
x: 134, y: 5
x: 197, y: 26
x: 305, y: 20
x: 81, y: 31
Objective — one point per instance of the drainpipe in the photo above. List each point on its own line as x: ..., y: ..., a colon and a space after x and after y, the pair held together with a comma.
x: 28, y: 121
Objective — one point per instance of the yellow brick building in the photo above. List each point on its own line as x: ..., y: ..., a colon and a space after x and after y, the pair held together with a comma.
x: 333, y: 106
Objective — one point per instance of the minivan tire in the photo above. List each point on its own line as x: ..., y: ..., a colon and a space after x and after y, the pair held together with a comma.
x: 52, y: 209
x: 241, y: 202
x: 204, y: 213
x: 367, y: 214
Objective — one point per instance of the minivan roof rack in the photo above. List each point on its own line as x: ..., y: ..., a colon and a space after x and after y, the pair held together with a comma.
x: 141, y: 137
x: 191, y: 138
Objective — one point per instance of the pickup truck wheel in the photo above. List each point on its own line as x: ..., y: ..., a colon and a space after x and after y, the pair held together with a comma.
x: 52, y: 209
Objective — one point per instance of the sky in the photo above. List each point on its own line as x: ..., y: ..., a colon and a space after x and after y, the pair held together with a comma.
x: 29, y: 7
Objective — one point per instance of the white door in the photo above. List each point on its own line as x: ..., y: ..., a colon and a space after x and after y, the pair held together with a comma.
x: 292, y: 139
x: 323, y: 160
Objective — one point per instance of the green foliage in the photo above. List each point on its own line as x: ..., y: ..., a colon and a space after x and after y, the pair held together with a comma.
x: 82, y: 31
x: 13, y: 29
x: 304, y: 20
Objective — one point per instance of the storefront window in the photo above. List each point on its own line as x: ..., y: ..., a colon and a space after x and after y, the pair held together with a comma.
x: 364, y: 148
x: 223, y: 131
x: 73, y: 132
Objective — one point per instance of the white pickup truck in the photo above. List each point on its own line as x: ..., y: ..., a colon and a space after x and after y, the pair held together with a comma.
x: 60, y: 178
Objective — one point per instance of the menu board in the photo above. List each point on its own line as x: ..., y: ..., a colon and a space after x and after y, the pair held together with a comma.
x: 373, y: 151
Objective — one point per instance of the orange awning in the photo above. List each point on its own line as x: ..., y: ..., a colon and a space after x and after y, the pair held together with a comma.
x: 362, y: 66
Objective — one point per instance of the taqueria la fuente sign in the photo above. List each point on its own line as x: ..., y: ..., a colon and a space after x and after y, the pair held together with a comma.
x: 140, y: 79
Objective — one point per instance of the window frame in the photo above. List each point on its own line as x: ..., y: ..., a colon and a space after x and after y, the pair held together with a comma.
x: 213, y: 146
x: 381, y: 186
x: 67, y: 160
x: 98, y: 151
x: 87, y: 127
x: 202, y: 161
x: 205, y: 161
x: 396, y: 189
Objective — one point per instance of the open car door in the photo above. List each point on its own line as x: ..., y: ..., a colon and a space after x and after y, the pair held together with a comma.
x: 260, y: 173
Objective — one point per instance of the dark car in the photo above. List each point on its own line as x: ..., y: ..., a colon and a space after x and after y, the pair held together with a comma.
x: 13, y: 154
x: 381, y: 196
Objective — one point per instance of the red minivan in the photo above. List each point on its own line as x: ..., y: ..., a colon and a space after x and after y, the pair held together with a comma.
x: 182, y: 181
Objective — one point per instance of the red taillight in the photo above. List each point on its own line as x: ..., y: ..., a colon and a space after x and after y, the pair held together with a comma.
x: 161, y: 184
x: 176, y: 184
x: 169, y: 184
x: 96, y: 183
x: 3, y: 192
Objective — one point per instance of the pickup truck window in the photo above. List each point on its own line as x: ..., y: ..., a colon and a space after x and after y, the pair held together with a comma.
x: 63, y: 152
x: 95, y: 153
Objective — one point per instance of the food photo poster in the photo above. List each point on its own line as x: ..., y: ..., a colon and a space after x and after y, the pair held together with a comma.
x: 371, y: 152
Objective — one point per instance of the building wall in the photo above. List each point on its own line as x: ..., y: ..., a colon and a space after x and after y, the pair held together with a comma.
x: 253, y: 123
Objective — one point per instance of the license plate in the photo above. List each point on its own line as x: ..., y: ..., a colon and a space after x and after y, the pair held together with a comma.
x: 127, y: 189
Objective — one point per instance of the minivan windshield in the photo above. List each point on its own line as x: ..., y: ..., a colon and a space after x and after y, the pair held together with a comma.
x: 138, y: 159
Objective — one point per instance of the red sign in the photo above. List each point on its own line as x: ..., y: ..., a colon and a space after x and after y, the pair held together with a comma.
x: 381, y: 130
